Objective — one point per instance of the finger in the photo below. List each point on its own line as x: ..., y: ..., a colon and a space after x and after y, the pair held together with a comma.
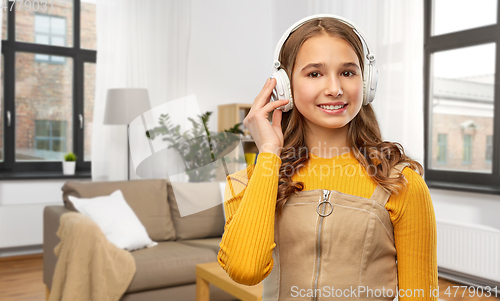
x: 277, y: 114
x: 274, y: 104
x: 265, y: 94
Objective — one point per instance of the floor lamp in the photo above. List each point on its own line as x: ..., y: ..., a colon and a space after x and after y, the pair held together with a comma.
x: 122, y: 106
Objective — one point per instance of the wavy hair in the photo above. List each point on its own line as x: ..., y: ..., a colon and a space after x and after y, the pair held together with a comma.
x: 378, y: 157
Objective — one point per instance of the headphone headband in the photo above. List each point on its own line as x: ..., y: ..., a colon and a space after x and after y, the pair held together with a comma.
x: 366, y: 51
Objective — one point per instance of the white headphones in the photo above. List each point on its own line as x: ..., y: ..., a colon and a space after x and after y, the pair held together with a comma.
x: 282, y: 90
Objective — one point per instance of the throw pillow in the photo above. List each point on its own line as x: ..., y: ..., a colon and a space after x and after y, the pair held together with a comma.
x: 147, y: 198
x: 204, y: 224
x: 116, y: 219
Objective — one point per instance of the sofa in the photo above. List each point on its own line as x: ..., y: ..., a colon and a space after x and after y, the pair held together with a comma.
x: 166, y: 271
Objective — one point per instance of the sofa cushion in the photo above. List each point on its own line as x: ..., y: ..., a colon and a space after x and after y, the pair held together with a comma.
x: 211, y: 243
x: 204, y: 224
x: 147, y: 198
x: 170, y: 263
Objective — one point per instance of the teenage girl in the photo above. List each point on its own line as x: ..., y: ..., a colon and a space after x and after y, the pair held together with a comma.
x: 329, y: 210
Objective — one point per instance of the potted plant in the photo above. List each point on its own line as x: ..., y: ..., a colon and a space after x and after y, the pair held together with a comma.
x: 69, y: 164
x: 192, y: 145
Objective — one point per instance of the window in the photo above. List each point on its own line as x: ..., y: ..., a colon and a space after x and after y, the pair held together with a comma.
x: 461, y: 98
x: 489, y: 148
x: 51, y: 100
x: 49, y: 25
x: 89, y: 92
x: 87, y: 31
x: 442, y: 148
x: 456, y: 15
x: 467, y: 150
x: 50, y: 30
x: 50, y: 139
x: 48, y: 89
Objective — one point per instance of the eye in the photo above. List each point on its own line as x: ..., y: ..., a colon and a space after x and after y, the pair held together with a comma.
x: 349, y: 71
x: 313, y: 74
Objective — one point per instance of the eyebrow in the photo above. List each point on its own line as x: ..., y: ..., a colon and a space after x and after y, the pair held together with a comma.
x: 319, y: 65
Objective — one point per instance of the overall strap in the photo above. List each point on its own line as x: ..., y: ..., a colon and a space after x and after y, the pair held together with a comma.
x: 380, y: 195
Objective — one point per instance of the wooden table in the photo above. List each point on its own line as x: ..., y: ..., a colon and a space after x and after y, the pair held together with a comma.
x: 212, y: 272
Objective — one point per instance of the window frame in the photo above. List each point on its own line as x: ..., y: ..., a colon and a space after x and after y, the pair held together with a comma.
x: 449, y: 179
x: 9, y: 168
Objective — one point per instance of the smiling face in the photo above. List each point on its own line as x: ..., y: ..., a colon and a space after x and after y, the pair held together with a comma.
x: 325, y: 64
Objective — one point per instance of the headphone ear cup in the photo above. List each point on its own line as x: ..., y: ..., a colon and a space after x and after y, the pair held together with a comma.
x: 369, y: 84
x: 373, y: 83
x: 366, y: 83
x: 282, y: 90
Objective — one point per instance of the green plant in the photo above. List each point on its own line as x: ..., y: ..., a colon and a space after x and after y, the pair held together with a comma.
x: 235, y: 129
x: 194, y: 145
x: 70, y: 157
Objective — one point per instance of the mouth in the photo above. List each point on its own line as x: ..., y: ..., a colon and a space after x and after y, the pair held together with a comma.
x: 333, y: 109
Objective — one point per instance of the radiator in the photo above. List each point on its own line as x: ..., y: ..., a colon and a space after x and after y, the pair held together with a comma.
x: 469, y: 249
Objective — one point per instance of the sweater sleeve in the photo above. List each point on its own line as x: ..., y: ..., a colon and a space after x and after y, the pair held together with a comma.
x: 415, y: 235
x: 248, y: 241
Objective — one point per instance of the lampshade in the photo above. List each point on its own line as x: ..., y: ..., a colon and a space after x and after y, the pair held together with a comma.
x: 125, y: 104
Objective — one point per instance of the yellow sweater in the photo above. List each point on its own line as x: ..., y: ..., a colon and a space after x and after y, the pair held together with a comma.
x: 248, y: 241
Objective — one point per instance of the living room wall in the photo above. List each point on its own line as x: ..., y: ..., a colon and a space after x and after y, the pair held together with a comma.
x: 230, y: 52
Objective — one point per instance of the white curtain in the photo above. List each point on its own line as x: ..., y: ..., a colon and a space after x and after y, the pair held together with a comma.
x: 1, y: 37
x: 140, y: 44
x: 395, y: 32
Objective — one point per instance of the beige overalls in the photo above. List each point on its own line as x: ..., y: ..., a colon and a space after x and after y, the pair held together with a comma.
x: 338, y: 245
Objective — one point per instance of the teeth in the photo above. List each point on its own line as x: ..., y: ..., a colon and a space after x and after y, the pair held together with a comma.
x: 332, y: 107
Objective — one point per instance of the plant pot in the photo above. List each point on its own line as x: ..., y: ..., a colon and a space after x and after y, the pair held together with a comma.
x: 69, y: 167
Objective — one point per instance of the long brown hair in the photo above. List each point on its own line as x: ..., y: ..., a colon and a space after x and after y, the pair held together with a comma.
x: 376, y: 156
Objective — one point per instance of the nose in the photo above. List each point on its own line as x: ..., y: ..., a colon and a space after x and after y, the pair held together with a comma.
x: 333, y: 86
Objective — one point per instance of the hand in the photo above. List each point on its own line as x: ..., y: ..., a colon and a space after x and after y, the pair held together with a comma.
x: 267, y: 137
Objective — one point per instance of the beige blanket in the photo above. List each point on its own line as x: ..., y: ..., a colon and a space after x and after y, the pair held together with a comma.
x: 89, y: 267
